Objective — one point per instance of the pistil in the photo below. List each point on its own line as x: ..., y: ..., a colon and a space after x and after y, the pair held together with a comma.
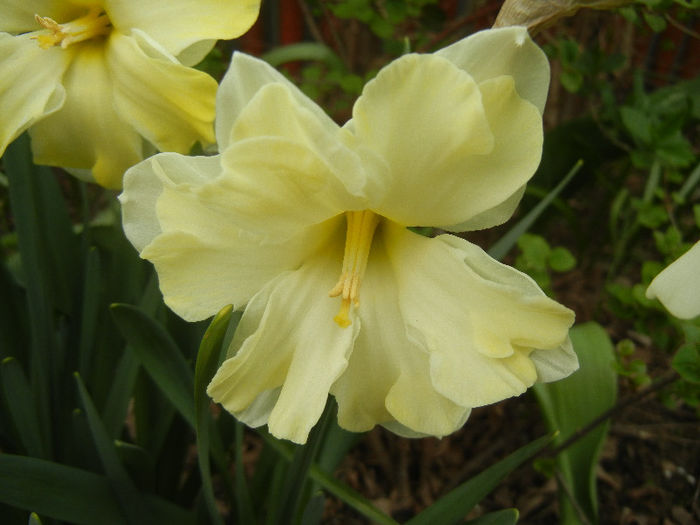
x: 95, y: 23
x: 358, y: 241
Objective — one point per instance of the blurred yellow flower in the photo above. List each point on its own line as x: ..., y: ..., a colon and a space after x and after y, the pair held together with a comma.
x: 678, y: 285
x: 91, y: 79
x: 304, y: 224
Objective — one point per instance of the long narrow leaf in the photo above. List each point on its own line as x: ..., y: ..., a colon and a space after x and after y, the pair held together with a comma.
x: 500, y: 517
x: 569, y: 405
x: 288, y: 506
x: 456, y: 504
x: 61, y: 492
x: 24, y: 180
x: 159, y: 355
x: 132, y: 503
x: 207, y: 361
x: 89, y: 311
x: 505, y: 243
x: 347, y: 494
x: 72, y: 494
x: 20, y: 401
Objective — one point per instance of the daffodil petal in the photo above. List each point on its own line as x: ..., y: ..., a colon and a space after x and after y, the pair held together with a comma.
x: 492, y: 217
x: 454, y: 154
x: 245, y: 77
x: 194, y: 54
x: 479, y: 319
x: 18, y: 15
x: 677, y: 286
x: 511, y: 52
x: 169, y: 104
x: 30, y: 87
x: 177, y: 24
x: 553, y: 365
x: 423, y: 116
x: 496, y: 182
x: 199, y: 276
x: 287, y: 339
x: 204, y: 261
x: 292, y: 172
x: 388, y: 376
x: 144, y: 183
x: 87, y: 132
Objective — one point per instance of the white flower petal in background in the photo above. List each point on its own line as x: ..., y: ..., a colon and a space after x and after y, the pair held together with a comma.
x: 678, y: 285
x: 96, y: 82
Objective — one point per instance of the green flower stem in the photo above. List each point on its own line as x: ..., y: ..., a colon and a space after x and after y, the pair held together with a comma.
x: 351, y: 497
x: 289, y: 506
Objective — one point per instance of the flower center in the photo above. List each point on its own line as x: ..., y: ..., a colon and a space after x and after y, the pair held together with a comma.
x: 94, y: 24
x: 358, y: 241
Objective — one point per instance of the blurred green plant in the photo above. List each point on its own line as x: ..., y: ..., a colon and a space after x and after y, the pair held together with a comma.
x: 537, y: 258
x: 569, y: 405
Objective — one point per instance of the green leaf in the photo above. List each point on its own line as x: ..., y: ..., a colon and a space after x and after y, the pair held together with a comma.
x: 687, y: 362
x: 657, y: 23
x: 61, y: 492
x: 534, y: 249
x: 90, y: 311
x: 120, y: 393
x: 48, y: 247
x: 561, y: 260
x: 131, y: 501
x: 159, y: 355
x: 71, y: 494
x: 569, y: 404
x: 637, y: 124
x: 34, y: 519
x: 572, y: 80
x: 288, y: 505
x: 505, y: 243
x: 348, y: 495
x: 21, y: 403
x: 500, y: 517
x: 207, y: 362
x: 456, y: 504
x: 302, y: 51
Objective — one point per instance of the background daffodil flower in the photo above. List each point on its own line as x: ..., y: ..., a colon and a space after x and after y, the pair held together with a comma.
x: 304, y: 224
x: 677, y: 285
x: 90, y: 78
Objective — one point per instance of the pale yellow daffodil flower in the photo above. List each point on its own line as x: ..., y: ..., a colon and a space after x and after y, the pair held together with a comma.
x: 304, y: 224
x: 91, y: 79
x: 678, y: 285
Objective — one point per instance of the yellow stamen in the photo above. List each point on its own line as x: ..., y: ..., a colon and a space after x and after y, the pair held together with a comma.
x: 94, y: 24
x: 358, y: 241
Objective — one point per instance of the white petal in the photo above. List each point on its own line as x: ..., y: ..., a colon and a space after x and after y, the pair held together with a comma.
x: 388, y: 379
x: 177, y: 24
x: 479, y: 319
x: 87, y: 132
x: 245, y: 77
x: 286, y: 170
x: 492, y: 217
x: 553, y: 365
x: 454, y: 149
x: 30, y: 84
x: 504, y: 51
x: 169, y: 104
x: 288, y: 339
x: 144, y: 183
x: 678, y: 285
x: 202, y: 269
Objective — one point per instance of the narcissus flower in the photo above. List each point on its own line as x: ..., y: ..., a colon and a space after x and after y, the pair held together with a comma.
x: 304, y: 224
x: 91, y: 79
x: 678, y: 285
